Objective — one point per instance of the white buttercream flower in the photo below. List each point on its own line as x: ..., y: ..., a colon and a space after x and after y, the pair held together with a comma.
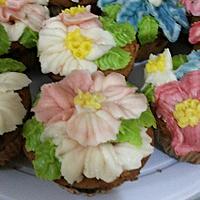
x: 63, y: 49
x: 105, y: 161
x: 159, y: 69
x: 12, y: 110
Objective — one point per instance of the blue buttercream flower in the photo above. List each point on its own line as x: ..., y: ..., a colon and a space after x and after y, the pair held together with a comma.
x: 169, y: 14
x: 193, y: 64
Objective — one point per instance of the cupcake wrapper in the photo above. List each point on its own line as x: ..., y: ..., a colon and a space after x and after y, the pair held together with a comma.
x: 91, y: 185
x: 163, y: 137
x: 131, y: 48
x: 10, y: 146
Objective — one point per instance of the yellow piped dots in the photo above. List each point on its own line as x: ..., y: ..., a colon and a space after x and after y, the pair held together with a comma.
x: 78, y: 44
x: 156, y: 65
x: 187, y: 113
x: 2, y: 2
x: 88, y: 100
x: 75, y: 10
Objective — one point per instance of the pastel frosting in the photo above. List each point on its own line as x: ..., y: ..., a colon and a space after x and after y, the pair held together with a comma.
x: 184, y: 128
x: 15, y: 15
x: 170, y: 16
x: 77, y: 41
x: 177, y: 100
x: 192, y: 6
x: 82, y: 115
x: 12, y: 110
x: 194, y: 33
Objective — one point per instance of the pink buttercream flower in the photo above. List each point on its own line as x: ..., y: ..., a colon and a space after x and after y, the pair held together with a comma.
x: 187, y: 139
x: 26, y: 11
x: 83, y: 18
x: 192, y: 6
x: 92, y: 105
x: 194, y: 33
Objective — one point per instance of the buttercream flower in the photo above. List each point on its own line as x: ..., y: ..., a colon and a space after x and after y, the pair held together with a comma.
x: 159, y: 69
x: 80, y: 16
x: 178, y: 104
x: 29, y: 13
x: 12, y: 110
x: 194, y: 33
x: 103, y: 162
x: 95, y: 102
x: 67, y: 48
x: 192, y: 6
x: 170, y: 16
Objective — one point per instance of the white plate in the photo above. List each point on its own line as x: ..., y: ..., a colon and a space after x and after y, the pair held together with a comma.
x: 163, y: 178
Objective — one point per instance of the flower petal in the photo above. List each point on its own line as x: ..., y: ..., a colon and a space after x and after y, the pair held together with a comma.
x: 12, y: 112
x: 93, y: 127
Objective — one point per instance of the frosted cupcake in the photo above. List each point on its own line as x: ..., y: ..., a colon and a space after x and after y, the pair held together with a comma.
x: 193, y: 9
x: 15, y: 102
x: 156, y: 22
x: 76, y: 39
x: 90, y: 133
x: 20, y: 21
x: 173, y: 88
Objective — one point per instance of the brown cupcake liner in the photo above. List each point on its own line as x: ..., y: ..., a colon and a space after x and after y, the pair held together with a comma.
x: 10, y: 146
x: 131, y: 48
x: 154, y: 47
x: 92, y: 185
x: 164, y: 140
x: 11, y: 143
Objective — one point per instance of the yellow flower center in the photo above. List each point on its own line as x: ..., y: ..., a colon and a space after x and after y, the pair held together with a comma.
x: 187, y: 113
x: 156, y: 65
x: 2, y: 2
x: 75, y: 10
x: 88, y: 100
x: 78, y: 44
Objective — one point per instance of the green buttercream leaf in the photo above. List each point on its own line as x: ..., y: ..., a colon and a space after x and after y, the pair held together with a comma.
x: 29, y: 38
x: 147, y: 119
x: 129, y: 130
x: 178, y: 60
x: 32, y: 131
x: 114, y: 59
x: 147, y: 30
x: 10, y: 65
x: 148, y: 91
x: 4, y: 41
x: 112, y: 10
x: 123, y: 33
x: 46, y: 165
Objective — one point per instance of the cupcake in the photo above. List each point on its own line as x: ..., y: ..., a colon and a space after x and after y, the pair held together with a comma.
x: 173, y: 89
x: 15, y: 102
x: 20, y: 21
x: 193, y: 9
x: 89, y: 133
x: 156, y: 22
x: 76, y: 39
